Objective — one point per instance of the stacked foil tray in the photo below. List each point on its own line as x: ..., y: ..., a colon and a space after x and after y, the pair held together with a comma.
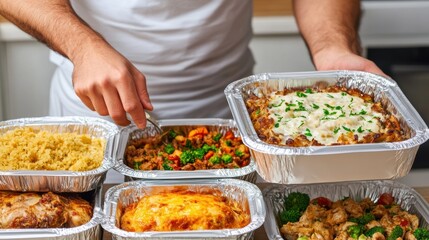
x: 86, y: 183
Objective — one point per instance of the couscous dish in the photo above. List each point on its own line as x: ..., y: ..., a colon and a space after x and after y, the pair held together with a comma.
x: 31, y: 149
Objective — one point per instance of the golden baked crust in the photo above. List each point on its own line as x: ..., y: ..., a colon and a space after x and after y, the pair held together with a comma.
x: 322, y: 116
x: 183, y: 210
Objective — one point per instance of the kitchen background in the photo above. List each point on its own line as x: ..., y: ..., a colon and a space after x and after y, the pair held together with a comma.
x: 394, y: 34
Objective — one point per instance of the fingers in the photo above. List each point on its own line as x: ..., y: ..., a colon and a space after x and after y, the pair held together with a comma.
x: 116, y: 95
x: 140, y: 81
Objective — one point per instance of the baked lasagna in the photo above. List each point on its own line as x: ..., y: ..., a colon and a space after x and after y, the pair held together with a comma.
x: 42, y: 210
x: 197, y: 149
x: 184, y: 210
x: 322, y: 116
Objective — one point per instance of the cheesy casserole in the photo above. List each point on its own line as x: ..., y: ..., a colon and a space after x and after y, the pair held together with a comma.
x: 184, y: 210
x: 315, y: 117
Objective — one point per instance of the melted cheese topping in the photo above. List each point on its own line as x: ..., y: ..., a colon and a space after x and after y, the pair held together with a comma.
x: 322, y: 116
x: 176, y: 211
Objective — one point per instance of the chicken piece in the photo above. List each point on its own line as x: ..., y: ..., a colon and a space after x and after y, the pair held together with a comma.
x: 379, y: 211
x: 366, y: 203
x: 353, y: 208
x: 378, y: 236
x: 339, y: 229
x: 293, y: 230
x: 312, y: 213
x: 322, y: 231
x: 409, y: 236
x: 336, y: 216
x: 411, y: 218
x: 371, y: 224
x: 41, y: 210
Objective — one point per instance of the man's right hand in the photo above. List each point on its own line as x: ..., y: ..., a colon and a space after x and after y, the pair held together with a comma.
x: 103, y: 79
x: 109, y: 84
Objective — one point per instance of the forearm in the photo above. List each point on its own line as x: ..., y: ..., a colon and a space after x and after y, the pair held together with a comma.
x: 329, y: 24
x: 53, y: 22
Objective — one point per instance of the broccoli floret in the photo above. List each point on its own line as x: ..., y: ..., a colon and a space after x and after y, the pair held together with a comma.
x: 198, y: 153
x: 186, y: 157
x: 297, y: 200
x: 137, y: 165
x: 228, y: 143
x: 166, y: 165
x: 171, y: 134
x: 290, y: 215
x: 238, y: 153
x: 355, y: 231
x: 169, y: 148
x: 226, y: 158
x: 207, y: 148
x: 215, y: 160
x: 373, y: 230
x: 396, y: 232
x: 364, y: 219
x: 421, y: 234
x: 217, y: 137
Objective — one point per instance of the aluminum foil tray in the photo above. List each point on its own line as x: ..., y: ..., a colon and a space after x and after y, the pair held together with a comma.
x: 61, y: 181
x: 244, y: 192
x: 246, y: 173
x: 89, y: 231
x: 405, y: 196
x: 317, y: 164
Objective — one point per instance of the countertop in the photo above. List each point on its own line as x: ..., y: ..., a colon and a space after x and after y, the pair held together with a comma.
x: 260, y: 232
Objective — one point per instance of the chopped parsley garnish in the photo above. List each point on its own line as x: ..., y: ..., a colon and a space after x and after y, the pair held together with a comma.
x: 308, y: 90
x: 258, y: 111
x: 308, y: 133
x: 343, y: 94
x: 336, y: 130
x: 347, y: 129
x: 278, y: 105
x: 301, y: 94
x: 329, y: 95
x: 315, y: 106
x: 276, y: 125
x: 360, y: 130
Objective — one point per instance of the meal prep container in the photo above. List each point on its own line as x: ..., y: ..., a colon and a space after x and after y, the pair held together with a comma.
x: 61, y: 181
x: 247, y: 173
x: 88, y: 231
x: 405, y: 196
x: 241, y: 191
x: 317, y: 164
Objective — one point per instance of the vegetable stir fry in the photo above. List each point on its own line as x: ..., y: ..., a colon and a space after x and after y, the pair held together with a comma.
x: 199, y: 149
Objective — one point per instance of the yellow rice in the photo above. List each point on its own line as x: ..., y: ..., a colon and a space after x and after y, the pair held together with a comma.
x: 30, y: 149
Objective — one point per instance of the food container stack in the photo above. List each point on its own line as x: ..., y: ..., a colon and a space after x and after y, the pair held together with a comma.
x: 197, y: 173
x: 325, y: 140
x: 51, y: 176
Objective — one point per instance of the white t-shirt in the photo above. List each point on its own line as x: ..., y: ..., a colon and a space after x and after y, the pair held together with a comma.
x: 189, y: 51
